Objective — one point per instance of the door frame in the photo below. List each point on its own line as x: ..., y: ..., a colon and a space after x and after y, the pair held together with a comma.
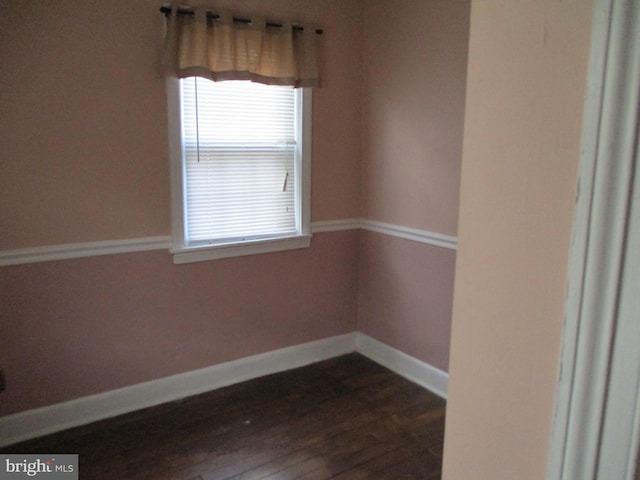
x: 597, y: 417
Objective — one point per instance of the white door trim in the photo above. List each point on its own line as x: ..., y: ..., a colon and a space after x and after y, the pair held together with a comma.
x: 597, y: 313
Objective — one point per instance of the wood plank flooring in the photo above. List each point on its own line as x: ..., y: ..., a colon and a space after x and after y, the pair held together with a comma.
x: 346, y: 418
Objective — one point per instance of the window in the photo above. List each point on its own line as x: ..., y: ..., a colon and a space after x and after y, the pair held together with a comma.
x: 240, y: 154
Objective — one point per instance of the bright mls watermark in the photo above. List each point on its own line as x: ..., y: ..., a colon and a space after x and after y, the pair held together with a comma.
x: 44, y: 466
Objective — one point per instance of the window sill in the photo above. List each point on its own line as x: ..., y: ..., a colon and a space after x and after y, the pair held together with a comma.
x: 213, y: 252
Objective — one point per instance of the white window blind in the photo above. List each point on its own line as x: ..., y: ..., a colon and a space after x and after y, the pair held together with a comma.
x: 240, y: 161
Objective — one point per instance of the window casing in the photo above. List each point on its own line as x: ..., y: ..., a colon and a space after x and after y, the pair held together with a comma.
x: 200, y: 230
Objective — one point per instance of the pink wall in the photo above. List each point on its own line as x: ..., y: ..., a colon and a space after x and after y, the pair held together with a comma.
x: 413, y: 103
x: 406, y: 294
x: 83, y: 126
x: 413, y: 110
x: 83, y: 123
x: 84, y: 158
x: 527, y: 71
x: 83, y: 326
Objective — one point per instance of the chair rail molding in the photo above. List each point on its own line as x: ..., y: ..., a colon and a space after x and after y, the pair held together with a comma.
x: 415, y: 234
x: 47, y: 253
x: 67, y: 251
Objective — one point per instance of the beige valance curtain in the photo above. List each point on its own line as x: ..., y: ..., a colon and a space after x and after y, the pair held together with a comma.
x: 219, y: 49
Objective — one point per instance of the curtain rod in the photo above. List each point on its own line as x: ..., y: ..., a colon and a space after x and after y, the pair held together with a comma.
x: 215, y: 16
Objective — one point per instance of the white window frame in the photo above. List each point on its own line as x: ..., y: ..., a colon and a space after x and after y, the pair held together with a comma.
x: 183, y: 253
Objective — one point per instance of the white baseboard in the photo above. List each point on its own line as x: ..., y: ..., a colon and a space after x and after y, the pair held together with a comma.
x: 42, y: 421
x: 61, y: 416
x: 409, y: 367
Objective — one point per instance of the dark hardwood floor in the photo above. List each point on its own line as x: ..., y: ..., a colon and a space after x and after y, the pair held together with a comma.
x: 345, y: 418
